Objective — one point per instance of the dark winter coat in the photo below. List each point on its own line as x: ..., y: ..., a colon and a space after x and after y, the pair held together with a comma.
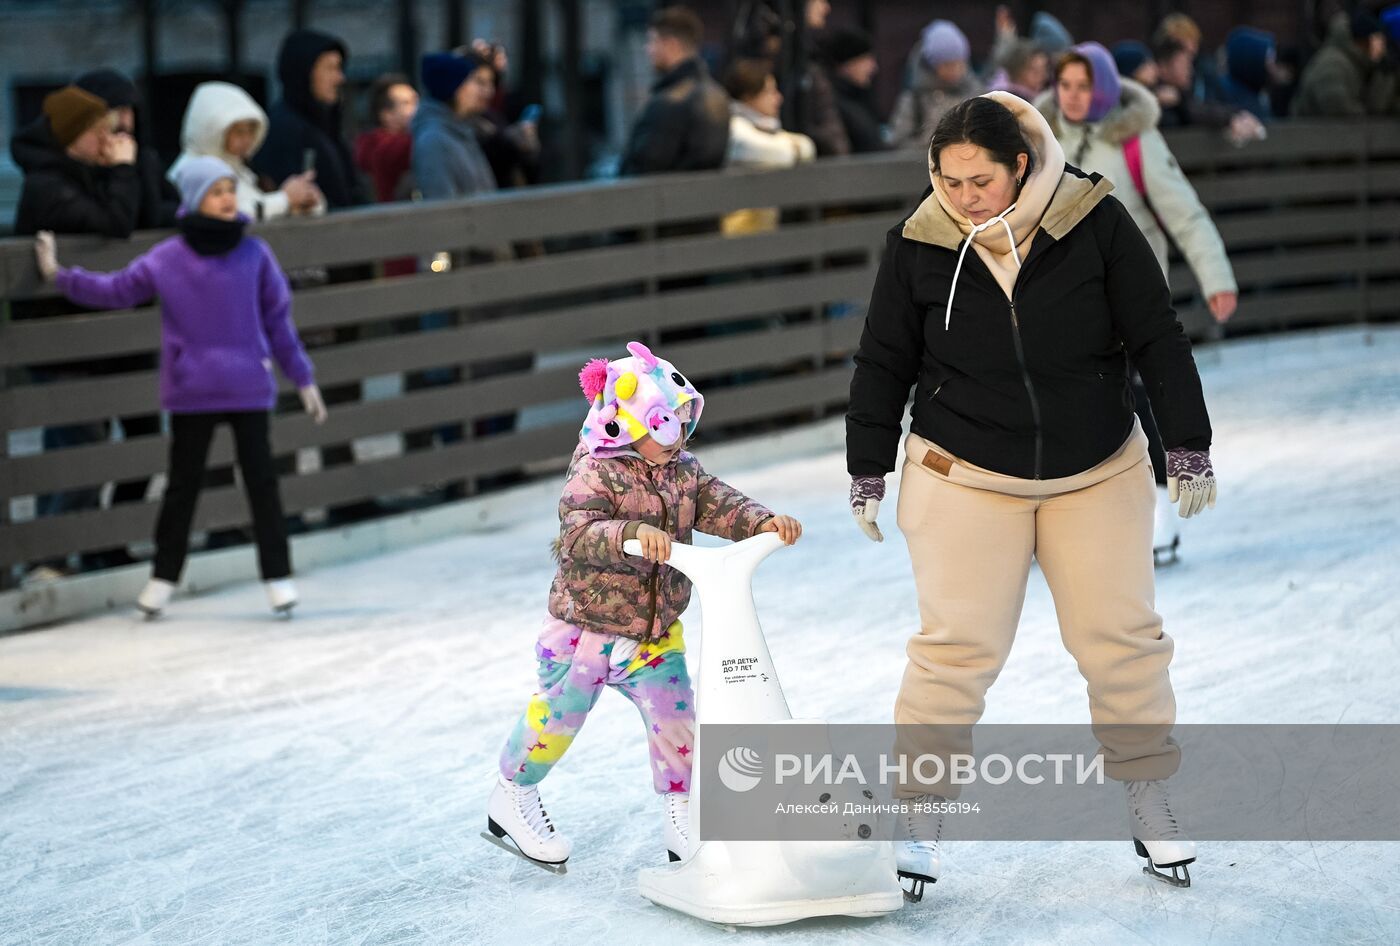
x: 859, y: 114
x: 1340, y: 82
x: 159, y: 198
x: 1037, y: 388
x: 68, y: 196
x: 684, y: 125
x: 821, y: 117
x: 299, y: 123
x: 1191, y: 112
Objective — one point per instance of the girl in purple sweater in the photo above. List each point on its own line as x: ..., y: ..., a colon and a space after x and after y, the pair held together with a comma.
x: 225, y: 317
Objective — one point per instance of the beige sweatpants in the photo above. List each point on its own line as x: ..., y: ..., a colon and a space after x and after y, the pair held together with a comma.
x: 971, y: 536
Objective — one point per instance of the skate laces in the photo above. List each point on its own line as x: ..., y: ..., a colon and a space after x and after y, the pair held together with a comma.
x: 919, y: 825
x: 531, y: 809
x: 1153, y: 810
x: 678, y: 812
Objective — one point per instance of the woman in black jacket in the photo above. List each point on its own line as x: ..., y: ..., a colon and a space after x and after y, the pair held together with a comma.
x: 1011, y: 301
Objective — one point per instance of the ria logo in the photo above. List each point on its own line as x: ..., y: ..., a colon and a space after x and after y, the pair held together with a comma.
x: 740, y: 769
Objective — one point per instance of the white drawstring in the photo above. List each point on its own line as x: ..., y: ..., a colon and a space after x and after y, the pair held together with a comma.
x: 976, y: 229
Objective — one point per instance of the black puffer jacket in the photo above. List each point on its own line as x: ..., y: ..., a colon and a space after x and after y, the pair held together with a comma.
x: 684, y: 126
x: 159, y: 198
x: 67, y: 196
x: 859, y: 115
x: 1038, y: 389
x: 299, y: 123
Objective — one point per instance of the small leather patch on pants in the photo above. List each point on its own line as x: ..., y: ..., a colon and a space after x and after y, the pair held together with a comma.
x: 937, y: 462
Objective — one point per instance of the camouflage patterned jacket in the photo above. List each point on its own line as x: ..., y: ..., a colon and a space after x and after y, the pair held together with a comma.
x: 600, y: 588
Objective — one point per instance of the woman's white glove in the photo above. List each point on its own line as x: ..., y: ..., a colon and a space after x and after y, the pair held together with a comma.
x: 46, y: 254
x: 866, y: 493
x: 312, y: 403
x: 1191, y: 480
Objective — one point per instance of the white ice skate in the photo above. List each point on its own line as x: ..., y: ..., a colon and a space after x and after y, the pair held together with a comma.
x: 755, y: 882
x: 917, y: 852
x: 676, y: 824
x: 1156, y: 834
x: 282, y: 595
x: 515, y: 812
x: 155, y: 596
x: 1166, y: 530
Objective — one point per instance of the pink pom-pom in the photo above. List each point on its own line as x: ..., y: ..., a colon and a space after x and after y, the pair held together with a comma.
x: 593, y: 377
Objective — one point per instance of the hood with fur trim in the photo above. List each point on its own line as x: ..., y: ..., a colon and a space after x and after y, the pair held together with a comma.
x: 636, y: 397
x: 1137, y: 111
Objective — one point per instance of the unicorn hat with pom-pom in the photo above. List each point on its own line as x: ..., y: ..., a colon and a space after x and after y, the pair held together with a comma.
x: 631, y: 398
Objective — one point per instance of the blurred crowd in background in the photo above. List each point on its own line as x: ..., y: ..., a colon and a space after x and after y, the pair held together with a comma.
x: 785, y: 87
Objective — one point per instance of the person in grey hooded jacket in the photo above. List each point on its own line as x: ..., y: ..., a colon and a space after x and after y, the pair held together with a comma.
x: 447, y: 157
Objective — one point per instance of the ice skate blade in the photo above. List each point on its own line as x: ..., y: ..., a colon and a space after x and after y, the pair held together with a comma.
x: 148, y: 614
x: 558, y: 869
x: 1151, y: 870
x: 915, y: 891
x: 1165, y: 557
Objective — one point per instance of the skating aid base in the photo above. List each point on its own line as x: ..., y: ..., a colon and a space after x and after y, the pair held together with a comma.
x: 1176, y: 880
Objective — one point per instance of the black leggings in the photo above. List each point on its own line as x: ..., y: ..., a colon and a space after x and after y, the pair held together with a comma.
x: 189, y: 452
x: 1155, y: 450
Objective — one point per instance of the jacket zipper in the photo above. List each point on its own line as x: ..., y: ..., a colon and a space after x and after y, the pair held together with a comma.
x: 1030, y: 387
x: 656, y: 568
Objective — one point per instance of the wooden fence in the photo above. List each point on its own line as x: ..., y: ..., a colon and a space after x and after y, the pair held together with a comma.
x: 540, y: 279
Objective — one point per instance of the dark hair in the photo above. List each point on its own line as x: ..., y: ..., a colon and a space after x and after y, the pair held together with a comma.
x: 379, y: 92
x: 1068, y: 58
x: 1166, y: 47
x: 745, y: 78
x: 679, y: 23
x: 987, y: 124
x: 1019, y: 55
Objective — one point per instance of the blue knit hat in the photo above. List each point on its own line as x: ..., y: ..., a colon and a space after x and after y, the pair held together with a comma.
x: 195, y: 176
x: 444, y: 73
x: 942, y: 42
x: 1129, y: 55
x: 1390, y: 19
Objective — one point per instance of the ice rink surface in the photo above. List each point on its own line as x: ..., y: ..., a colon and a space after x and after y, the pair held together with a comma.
x: 221, y: 777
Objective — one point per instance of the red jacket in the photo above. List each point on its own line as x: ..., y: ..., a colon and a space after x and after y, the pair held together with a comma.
x: 387, y: 157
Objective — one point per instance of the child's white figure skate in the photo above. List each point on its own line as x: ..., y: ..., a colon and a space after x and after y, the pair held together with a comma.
x: 515, y: 812
x: 155, y: 596
x: 756, y: 883
x: 282, y: 595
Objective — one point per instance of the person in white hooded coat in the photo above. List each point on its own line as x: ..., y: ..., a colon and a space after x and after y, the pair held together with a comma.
x: 1121, y: 110
x: 223, y: 121
x: 1108, y: 123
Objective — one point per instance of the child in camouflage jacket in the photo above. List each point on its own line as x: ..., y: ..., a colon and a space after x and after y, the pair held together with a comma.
x: 613, y: 618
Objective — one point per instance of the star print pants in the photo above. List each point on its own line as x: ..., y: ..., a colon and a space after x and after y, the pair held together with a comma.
x: 575, y: 666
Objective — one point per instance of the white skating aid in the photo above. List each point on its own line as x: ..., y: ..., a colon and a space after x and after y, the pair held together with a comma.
x: 756, y: 883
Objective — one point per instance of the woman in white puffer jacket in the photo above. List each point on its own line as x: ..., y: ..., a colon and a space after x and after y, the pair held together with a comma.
x: 1095, y: 114
x: 757, y: 138
x: 223, y: 121
x: 1107, y: 123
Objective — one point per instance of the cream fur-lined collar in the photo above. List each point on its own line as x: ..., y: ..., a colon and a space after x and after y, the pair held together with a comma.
x: 1137, y: 111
